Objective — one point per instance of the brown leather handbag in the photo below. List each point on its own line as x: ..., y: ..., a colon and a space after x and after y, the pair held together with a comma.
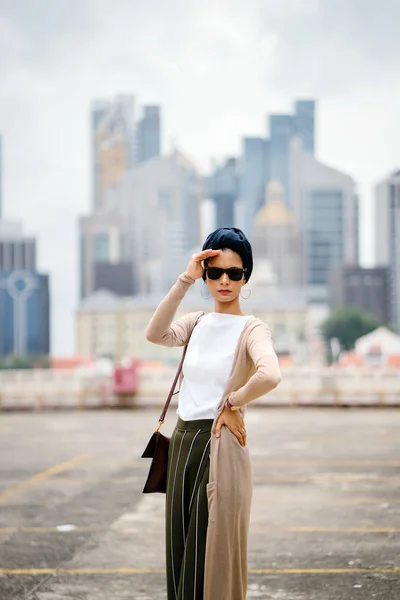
x: 158, y: 445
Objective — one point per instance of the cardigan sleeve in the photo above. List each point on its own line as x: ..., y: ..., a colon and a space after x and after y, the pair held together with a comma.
x: 267, y: 373
x: 162, y: 329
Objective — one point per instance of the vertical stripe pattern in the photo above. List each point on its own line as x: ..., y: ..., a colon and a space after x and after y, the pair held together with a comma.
x: 172, y: 510
x: 187, y: 509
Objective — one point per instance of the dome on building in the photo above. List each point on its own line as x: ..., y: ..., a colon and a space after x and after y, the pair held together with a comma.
x: 274, y: 211
x: 274, y: 191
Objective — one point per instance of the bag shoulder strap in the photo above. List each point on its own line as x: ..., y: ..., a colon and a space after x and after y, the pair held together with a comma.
x: 172, y: 390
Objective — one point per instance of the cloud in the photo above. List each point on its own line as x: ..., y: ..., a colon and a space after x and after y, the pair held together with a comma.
x: 215, y: 67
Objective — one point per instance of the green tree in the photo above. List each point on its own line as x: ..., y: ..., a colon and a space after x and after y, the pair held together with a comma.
x: 347, y: 325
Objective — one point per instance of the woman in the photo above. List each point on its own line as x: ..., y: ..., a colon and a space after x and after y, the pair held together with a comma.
x: 229, y: 362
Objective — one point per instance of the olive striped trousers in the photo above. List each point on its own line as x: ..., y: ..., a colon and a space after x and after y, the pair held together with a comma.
x: 186, y: 507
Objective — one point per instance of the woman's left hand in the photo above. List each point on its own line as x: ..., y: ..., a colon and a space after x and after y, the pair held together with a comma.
x: 234, y: 421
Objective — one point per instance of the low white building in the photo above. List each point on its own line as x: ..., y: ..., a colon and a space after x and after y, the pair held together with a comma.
x: 108, y: 325
x: 378, y: 346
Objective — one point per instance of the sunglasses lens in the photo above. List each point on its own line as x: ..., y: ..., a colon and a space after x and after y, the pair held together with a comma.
x: 214, y: 272
x: 235, y: 274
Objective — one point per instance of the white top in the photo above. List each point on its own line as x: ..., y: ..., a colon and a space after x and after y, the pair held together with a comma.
x: 208, y: 364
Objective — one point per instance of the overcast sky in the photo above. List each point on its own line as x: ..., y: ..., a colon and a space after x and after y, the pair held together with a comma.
x: 217, y: 68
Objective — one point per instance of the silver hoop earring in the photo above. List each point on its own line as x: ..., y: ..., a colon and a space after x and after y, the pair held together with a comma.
x: 245, y: 297
x: 201, y: 292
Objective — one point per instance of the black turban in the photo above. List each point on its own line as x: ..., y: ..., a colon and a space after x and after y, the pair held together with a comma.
x: 234, y: 239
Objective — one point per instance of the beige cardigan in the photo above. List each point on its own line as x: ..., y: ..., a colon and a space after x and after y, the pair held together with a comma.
x: 255, y: 372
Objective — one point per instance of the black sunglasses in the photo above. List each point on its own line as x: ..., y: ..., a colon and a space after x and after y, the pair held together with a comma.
x: 234, y: 273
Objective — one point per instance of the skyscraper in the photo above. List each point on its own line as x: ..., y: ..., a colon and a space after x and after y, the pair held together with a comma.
x: 161, y: 200
x: 265, y: 160
x: 304, y: 124
x: 1, y: 176
x: 394, y: 251
x: 326, y: 207
x: 254, y: 174
x: 24, y: 313
x: 103, y: 261
x: 148, y: 134
x: 113, y: 143
x: 367, y: 288
x: 17, y: 251
x: 24, y: 295
x: 387, y: 237
x: 282, y: 128
x: 223, y: 188
x: 146, y: 231
x: 382, y: 223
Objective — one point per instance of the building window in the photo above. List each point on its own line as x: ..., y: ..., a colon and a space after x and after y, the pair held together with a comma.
x: 101, y: 247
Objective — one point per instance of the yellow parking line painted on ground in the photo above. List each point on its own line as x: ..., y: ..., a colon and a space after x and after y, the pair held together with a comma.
x: 258, y: 461
x: 323, y: 571
x: 315, y: 477
x: 310, y: 477
x: 342, y: 501
x: 68, y: 464
x: 130, y: 571
x: 312, y: 529
x: 53, y: 529
x: 254, y: 528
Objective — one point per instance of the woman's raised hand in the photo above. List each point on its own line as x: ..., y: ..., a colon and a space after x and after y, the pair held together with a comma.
x: 195, y: 267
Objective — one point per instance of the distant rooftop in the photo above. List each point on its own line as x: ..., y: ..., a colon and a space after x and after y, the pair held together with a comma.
x: 291, y: 298
x: 11, y: 230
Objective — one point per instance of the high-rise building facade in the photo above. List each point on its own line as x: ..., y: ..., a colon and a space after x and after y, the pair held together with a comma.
x: 304, y: 124
x: 325, y: 205
x: 148, y: 144
x: 382, y: 222
x: 103, y: 261
x: 394, y: 248
x: 254, y: 175
x: 24, y: 313
x: 265, y: 160
x: 281, y: 132
x: 1, y: 177
x: 162, y: 200
x: 113, y: 143
x: 16, y: 250
x: 323, y: 231
x: 24, y: 295
x: 387, y: 237
x: 368, y: 288
x: 145, y: 233
x: 223, y: 188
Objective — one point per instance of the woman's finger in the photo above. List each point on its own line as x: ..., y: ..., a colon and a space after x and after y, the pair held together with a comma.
x: 205, y: 254
x: 241, y: 437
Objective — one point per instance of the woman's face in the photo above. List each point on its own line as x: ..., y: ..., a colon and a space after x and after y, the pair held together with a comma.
x: 225, y: 260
